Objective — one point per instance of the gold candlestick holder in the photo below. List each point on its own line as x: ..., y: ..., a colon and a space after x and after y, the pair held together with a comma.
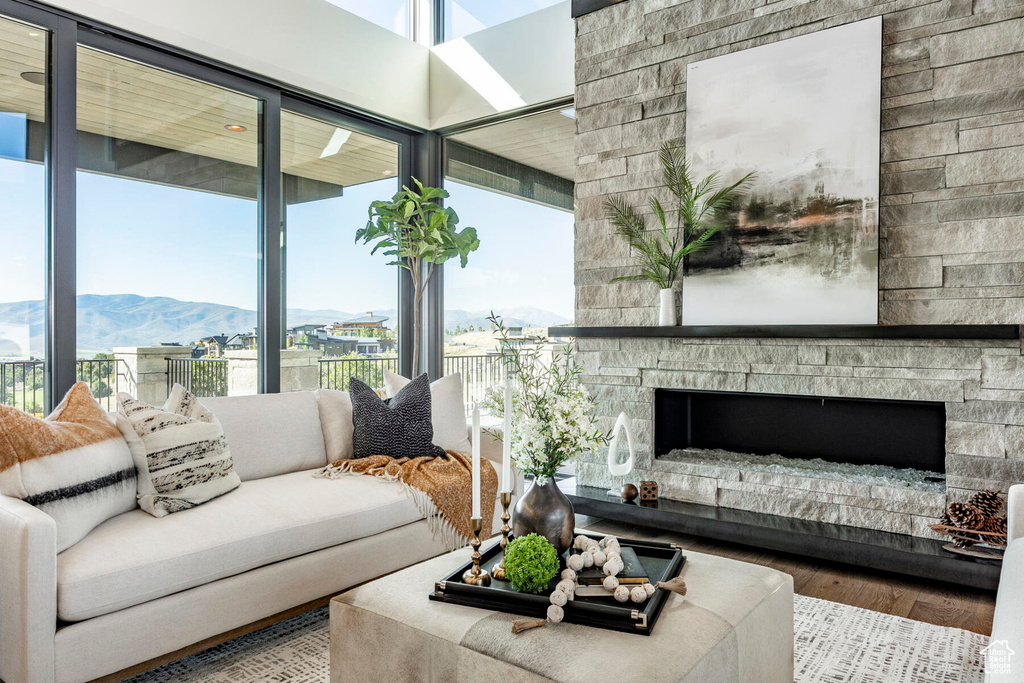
x: 475, y: 575
x: 506, y: 500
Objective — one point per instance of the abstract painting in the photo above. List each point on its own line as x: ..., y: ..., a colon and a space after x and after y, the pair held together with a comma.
x: 803, y: 114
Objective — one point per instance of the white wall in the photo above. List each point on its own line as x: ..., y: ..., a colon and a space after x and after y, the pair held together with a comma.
x: 535, y: 54
x: 310, y: 44
x: 318, y: 47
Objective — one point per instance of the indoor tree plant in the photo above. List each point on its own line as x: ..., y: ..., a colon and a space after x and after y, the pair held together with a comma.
x: 684, y: 228
x: 553, y: 424
x: 419, y: 234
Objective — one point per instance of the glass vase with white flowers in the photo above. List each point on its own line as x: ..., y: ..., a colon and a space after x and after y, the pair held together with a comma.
x: 552, y: 425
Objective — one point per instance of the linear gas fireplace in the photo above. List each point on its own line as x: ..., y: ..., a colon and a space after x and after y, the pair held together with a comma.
x: 852, y: 431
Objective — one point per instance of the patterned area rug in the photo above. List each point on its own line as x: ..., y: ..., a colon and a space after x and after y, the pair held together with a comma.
x: 834, y: 643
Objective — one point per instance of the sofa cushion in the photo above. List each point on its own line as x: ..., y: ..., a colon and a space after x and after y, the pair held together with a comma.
x: 336, y: 420
x: 135, y: 557
x: 271, y: 434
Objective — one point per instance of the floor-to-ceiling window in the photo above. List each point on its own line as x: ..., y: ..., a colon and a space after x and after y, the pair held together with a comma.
x: 512, y: 181
x: 341, y: 301
x: 169, y: 174
x: 23, y: 94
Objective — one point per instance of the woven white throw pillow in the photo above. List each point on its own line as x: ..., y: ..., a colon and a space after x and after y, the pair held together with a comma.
x: 180, y: 452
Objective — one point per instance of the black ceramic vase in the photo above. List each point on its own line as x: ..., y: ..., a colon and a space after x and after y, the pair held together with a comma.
x: 544, y: 510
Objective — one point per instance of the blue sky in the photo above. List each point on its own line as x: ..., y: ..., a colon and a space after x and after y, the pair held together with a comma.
x: 154, y: 240
x: 465, y: 16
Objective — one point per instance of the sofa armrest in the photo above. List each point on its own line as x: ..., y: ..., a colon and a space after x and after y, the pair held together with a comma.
x: 1015, y: 512
x: 28, y: 592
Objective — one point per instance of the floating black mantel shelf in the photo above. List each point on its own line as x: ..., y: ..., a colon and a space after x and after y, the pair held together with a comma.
x: 798, y: 331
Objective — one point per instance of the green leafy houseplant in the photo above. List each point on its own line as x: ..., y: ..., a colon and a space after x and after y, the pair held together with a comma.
x: 419, y: 234
x: 530, y: 563
x: 683, y: 228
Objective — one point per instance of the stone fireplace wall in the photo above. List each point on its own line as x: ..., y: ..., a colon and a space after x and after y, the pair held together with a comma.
x: 951, y: 214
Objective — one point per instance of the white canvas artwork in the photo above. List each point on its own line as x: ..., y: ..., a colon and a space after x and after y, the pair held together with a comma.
x: 802, y: 246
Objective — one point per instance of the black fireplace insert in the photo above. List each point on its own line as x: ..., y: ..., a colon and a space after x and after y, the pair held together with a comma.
x: 848, y: 430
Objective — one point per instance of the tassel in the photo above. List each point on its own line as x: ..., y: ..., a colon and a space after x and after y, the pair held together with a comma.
x: 526, y: 624
x: 676, y: 585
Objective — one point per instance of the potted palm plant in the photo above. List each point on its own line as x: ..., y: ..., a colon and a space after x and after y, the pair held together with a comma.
x: 419, y: 234
x: 687, y: 226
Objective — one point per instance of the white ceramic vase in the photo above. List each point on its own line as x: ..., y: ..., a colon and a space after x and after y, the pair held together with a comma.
x: 667, y: 314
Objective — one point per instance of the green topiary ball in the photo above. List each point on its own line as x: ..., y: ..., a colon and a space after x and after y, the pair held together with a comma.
x: 530, y: 563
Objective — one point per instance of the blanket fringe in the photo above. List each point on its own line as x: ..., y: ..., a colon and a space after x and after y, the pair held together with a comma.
x: 440, y: 528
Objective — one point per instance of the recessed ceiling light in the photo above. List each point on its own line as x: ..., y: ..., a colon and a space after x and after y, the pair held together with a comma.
x: 385, y: 173
x: 34, y: 77
x: 236, y: 128
x: 33, y: 34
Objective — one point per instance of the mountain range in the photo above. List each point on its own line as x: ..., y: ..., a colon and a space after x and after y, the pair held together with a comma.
x: 107, y: 321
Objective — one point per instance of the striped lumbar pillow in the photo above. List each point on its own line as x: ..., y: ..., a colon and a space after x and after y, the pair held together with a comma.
x: 180, y: 452
x: 74, y: 465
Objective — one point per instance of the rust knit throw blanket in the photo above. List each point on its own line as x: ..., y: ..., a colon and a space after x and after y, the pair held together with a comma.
x: 440, y: 486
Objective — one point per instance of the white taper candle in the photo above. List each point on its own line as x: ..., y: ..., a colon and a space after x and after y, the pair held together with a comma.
x: 476, y: 461
x: 506, y: 441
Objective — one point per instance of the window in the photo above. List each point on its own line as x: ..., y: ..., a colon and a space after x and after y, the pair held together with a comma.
x: 512, y: 181
x: 342, y: 314
x: 168, y: 178
x: 462, y: 17
x: 23, y: 72
x: 391, y: 14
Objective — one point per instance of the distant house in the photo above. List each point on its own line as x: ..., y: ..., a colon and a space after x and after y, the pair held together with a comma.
x: 368, y: 325
x: 302, y: 336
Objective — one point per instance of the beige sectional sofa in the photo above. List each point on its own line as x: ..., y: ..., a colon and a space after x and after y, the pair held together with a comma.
x: 139, y: 587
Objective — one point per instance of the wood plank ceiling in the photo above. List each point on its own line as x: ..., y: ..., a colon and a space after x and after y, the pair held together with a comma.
x: 542, y: 141
x: 126, y: 100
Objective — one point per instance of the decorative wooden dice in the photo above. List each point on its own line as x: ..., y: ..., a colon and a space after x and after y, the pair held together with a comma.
x: 648, y: 491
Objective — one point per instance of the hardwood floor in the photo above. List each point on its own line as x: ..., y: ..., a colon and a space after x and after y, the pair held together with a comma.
x: 919, y: 599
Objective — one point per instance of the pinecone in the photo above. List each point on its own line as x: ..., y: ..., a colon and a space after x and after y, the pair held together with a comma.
x: 989, y: 502
x: 965, y: 516
x: 996, y: 525
x: 962, y: 542
x: 945, y: 520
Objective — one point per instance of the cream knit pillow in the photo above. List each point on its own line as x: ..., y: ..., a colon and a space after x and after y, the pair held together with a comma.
x: 180, y: 452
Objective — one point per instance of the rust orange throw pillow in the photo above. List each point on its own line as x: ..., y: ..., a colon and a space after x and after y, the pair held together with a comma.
x: 74, y: 465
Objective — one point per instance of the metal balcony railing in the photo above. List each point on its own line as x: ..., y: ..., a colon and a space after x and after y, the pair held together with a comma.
x: 335, y: 372
x: 22, y: 382
x: 479, y: 373
x: 204, y: 377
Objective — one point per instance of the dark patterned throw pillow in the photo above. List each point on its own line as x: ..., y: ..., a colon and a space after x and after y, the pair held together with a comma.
x: 399, y: 428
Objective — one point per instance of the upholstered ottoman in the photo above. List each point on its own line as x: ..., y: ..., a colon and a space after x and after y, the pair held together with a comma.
x: 735, y: 625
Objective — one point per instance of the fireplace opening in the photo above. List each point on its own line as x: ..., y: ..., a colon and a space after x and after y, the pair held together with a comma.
x: 855, y: 431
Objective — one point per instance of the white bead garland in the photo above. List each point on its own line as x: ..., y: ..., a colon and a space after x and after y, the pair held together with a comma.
x: 568, y: 575
x: 622, y: 594
x: 555, y: 614
x: 559, y: 598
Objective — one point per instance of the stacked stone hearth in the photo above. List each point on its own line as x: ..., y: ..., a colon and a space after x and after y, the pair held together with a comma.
x: 951, y: 242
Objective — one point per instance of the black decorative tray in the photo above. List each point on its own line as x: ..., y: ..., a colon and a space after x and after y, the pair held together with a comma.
x: 661, y: 560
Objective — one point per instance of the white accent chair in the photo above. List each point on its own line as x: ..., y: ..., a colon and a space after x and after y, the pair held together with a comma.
x: 1008, y: 623
x: 138, y: 587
